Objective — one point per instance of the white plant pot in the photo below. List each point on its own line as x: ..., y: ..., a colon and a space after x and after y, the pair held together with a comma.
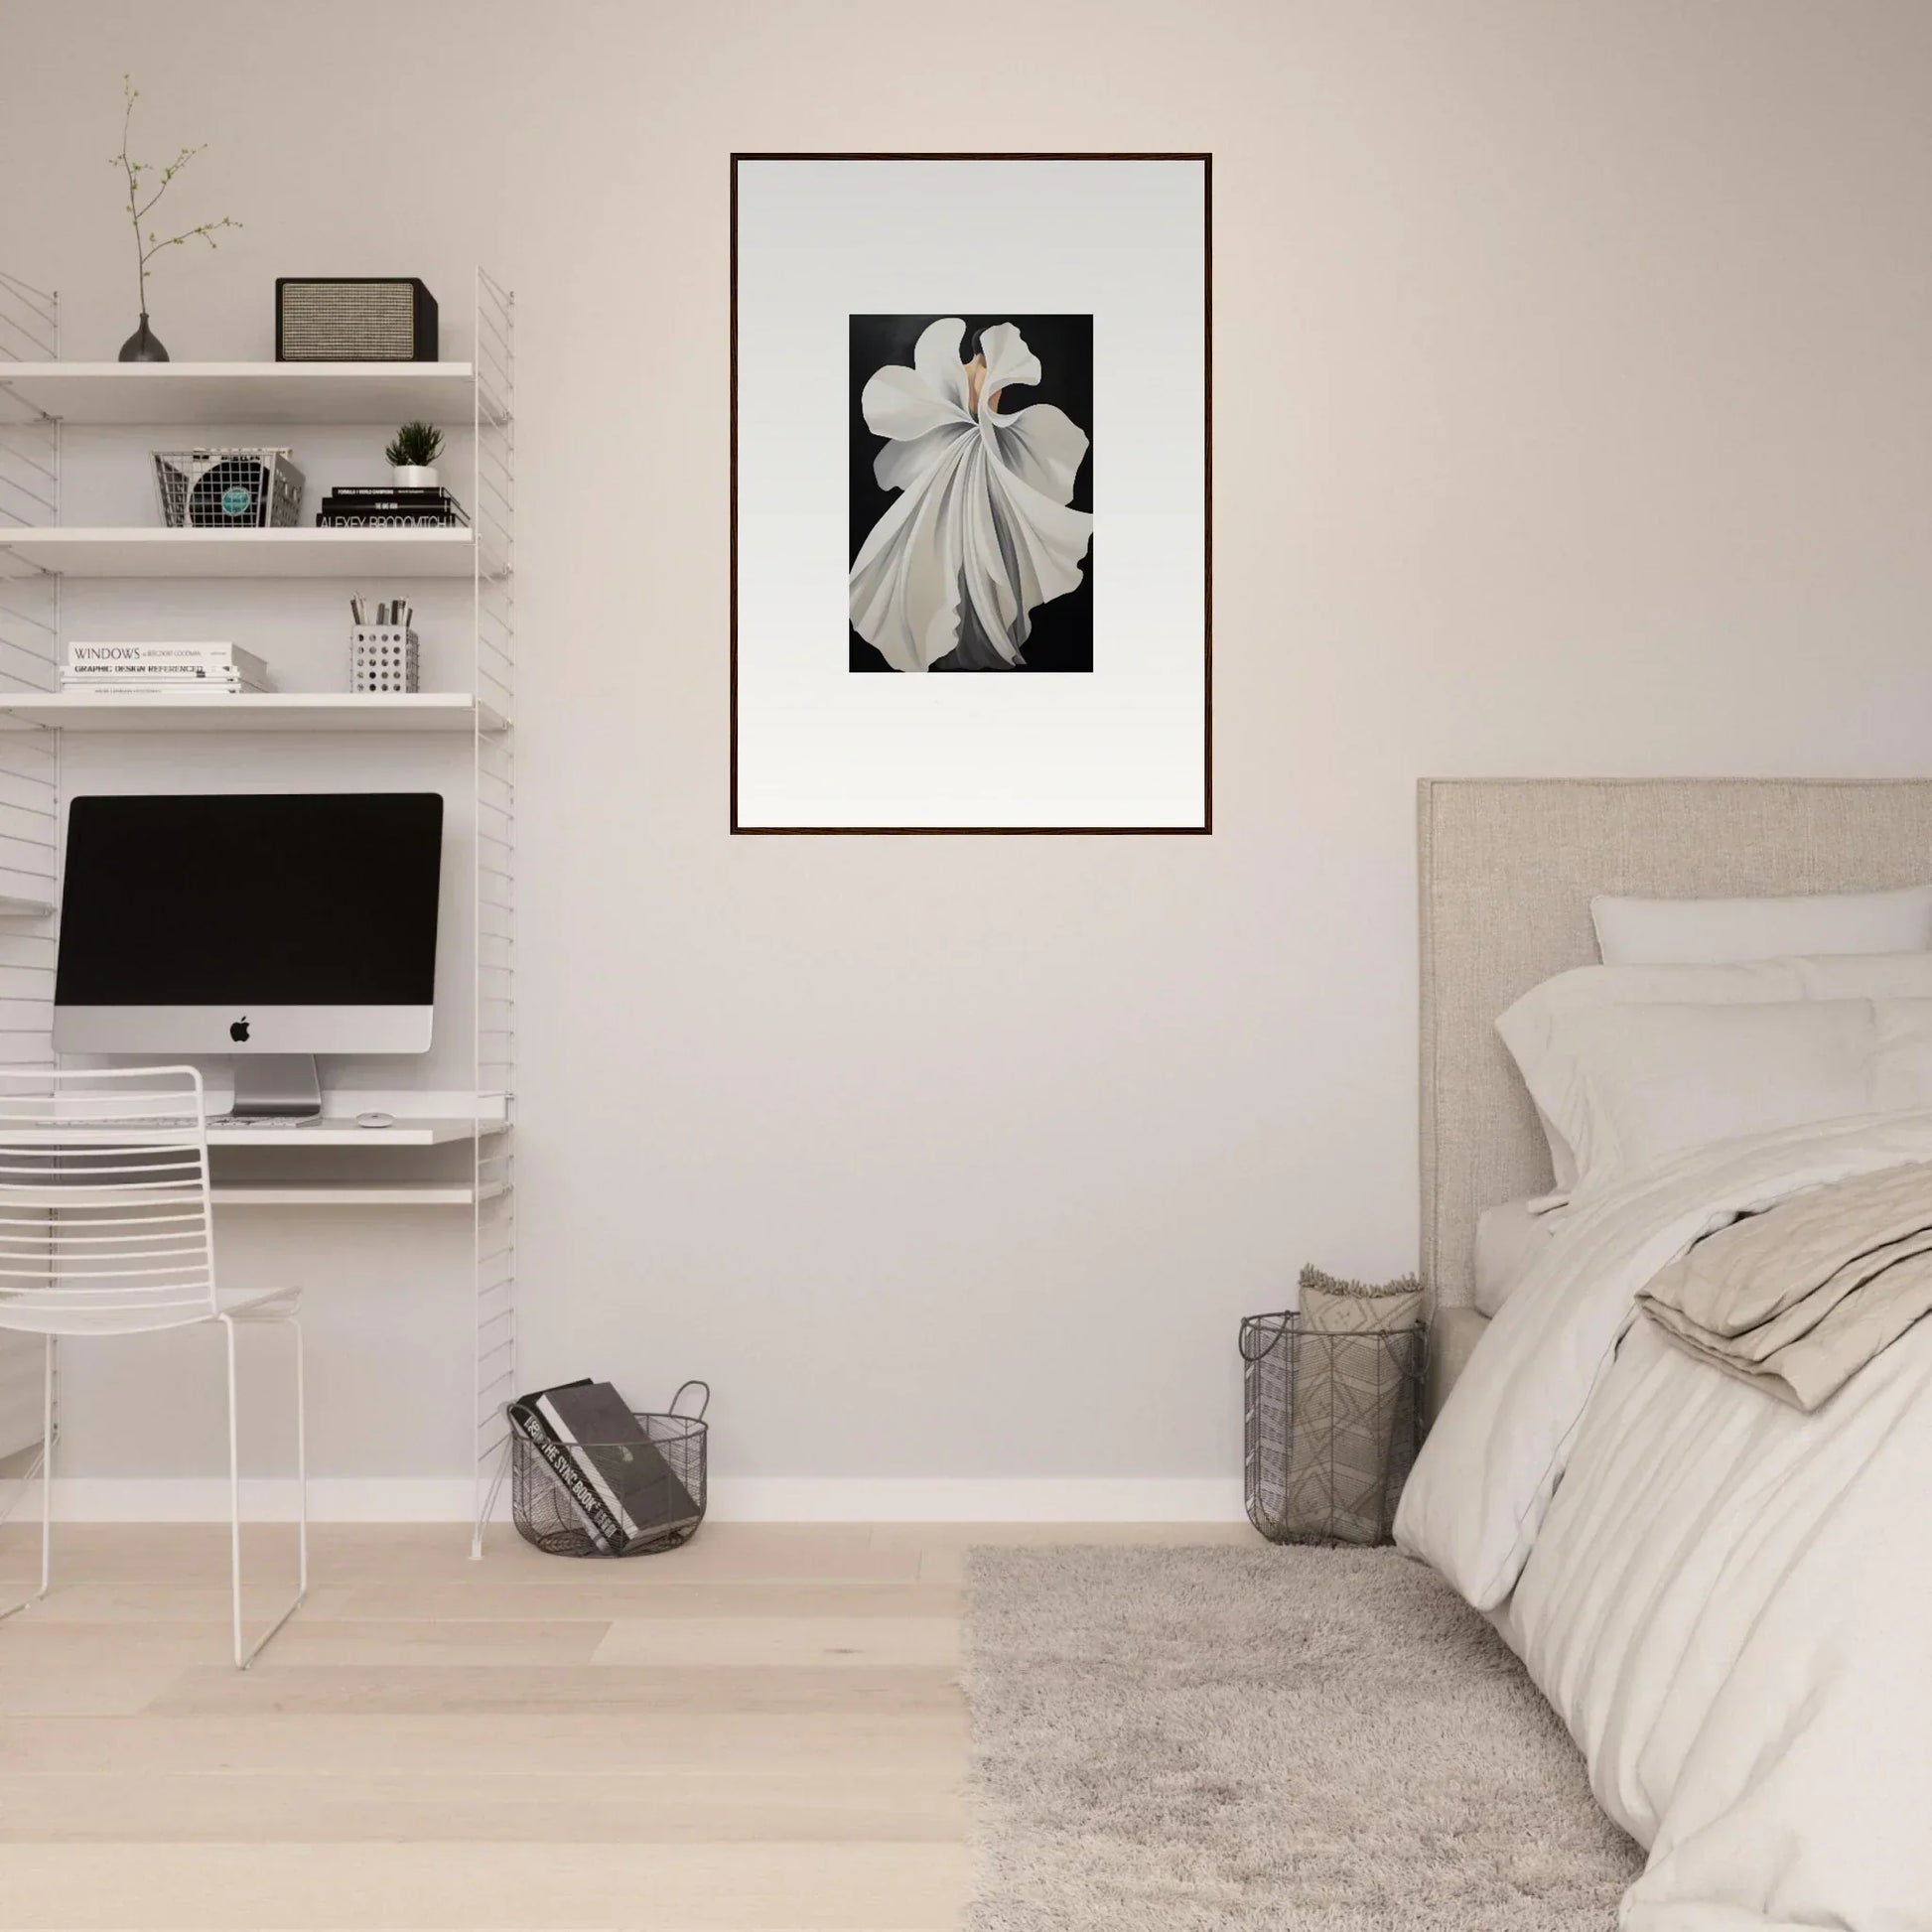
x: 414, y: 476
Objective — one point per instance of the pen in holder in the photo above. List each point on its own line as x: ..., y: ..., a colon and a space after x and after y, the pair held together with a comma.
x: 383, y: 657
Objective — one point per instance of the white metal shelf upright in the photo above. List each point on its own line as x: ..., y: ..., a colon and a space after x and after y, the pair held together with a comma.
x: 492, y: 515
x: 30, y: 779
x: 36, y: 386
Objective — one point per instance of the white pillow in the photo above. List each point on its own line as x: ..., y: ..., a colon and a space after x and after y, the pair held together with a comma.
x: 1629, y: 1086
x: 1711, y: 931
x: 1510, y: 1240
x: 1527, y: 1027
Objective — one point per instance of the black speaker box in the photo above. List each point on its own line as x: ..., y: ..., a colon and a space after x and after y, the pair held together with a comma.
x: 353, y: 319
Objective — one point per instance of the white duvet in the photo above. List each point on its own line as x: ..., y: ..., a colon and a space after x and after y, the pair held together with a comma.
x: 1728, y: 1602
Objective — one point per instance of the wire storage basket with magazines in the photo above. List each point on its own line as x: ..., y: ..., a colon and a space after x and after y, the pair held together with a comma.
x: 590, y: 1476
x: 227, y: 488
x: 1334, y: 1403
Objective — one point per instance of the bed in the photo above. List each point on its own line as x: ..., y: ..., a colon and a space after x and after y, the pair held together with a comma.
x: 1725, y: 1599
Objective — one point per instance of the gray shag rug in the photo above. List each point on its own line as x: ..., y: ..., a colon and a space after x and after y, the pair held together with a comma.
x: 1296, y: 1740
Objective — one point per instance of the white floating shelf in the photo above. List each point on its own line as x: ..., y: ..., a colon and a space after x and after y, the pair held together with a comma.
x: 328, y: 1132
x: 271, y: 710
x: 345, y: 1133
x: 24, y: 908
x: 346, y: 1194
x: 385, y: 393
x: 243, y: 553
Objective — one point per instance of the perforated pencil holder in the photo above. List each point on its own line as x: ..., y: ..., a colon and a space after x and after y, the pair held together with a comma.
x: 384, y: 658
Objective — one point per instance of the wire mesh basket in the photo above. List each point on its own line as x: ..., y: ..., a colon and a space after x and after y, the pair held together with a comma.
x: 228, y: 490
x: 550, y: 1508
x: 1331, y: 1431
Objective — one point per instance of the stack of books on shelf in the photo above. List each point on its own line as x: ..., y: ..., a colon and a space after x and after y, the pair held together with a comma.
x: 120, y: 669
x: 389, y: 507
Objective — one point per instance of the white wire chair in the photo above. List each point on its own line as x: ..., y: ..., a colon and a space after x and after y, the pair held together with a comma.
x: 107, y: 1228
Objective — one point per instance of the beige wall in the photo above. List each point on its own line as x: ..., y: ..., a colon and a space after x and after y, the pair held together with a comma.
x: 1574, y: 416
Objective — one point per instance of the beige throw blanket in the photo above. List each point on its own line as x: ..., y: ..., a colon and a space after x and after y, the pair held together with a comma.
x: 1353, y: 1407
x: 1797, y: 1300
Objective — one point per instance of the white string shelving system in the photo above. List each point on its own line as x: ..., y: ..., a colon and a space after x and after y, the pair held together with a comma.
x: 37, y: 391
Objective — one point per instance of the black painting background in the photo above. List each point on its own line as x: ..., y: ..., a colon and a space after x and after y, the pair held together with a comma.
x: 1062, y: 632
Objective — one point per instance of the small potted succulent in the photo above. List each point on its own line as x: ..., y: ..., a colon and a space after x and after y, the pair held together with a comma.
x: 412, y: 455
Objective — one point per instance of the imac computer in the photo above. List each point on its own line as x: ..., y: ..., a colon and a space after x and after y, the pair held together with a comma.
x: 266, y: 926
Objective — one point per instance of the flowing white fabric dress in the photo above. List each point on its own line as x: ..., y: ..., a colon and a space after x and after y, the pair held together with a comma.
x: 981, y: 534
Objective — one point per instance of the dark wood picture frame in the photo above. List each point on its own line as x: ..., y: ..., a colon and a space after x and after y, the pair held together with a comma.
x: 1206, y: 826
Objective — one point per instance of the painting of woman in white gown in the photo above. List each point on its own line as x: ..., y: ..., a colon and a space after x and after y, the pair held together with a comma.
x: 972, y: 493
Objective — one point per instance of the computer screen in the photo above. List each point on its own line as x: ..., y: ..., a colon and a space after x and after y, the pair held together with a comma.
x: 276, y: 922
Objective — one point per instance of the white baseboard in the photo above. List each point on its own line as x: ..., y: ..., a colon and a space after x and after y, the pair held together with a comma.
x: 972, y: 1500
x: 205, y: 1499
x: 738, y: 1499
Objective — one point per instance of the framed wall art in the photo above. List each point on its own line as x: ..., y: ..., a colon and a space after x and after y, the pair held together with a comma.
x: 971, y: 547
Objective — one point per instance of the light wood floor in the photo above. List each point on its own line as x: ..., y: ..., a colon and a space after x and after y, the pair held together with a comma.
x: 760, y: 1733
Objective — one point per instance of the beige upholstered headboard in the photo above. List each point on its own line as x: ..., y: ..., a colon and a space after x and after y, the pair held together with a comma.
x: 1507, y: 869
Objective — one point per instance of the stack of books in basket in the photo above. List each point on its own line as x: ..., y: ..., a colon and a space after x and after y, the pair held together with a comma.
x: 603, y: 1461
x: 119, y: 670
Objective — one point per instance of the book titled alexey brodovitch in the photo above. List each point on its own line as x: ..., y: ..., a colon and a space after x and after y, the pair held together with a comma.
x: 614, y: 1475
x: 375, y: 506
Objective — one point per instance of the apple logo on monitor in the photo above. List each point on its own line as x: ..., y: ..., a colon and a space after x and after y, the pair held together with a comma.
x: 239, y: 1031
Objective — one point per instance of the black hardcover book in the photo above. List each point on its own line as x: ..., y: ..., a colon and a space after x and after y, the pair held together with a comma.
x: 435, y: 508
x: 395, y: 492
x: 527, y: 1419
x: 391, y: 490
x: 392, y: 519
x: 595, y: 1426
x: 375, y: 506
